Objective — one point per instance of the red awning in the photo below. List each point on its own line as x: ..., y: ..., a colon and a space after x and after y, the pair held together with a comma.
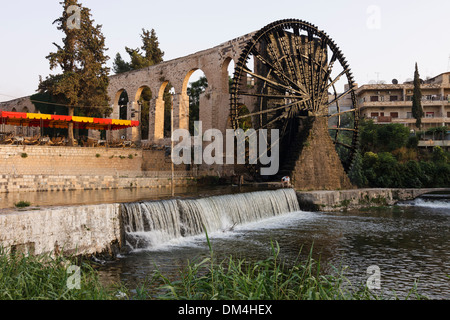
x: 61, y: 121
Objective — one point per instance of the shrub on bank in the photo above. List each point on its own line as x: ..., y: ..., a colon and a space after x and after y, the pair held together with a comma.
x: 390, y: 158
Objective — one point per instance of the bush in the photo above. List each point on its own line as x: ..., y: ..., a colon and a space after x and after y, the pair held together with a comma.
x: 22, y: 204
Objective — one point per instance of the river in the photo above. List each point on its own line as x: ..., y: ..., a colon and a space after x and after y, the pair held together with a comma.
x: 407, y: 243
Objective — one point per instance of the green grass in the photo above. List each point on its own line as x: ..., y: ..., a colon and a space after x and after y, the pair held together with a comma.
x: 46, y: 278
x: 24, y: 277
x: 269, y: 279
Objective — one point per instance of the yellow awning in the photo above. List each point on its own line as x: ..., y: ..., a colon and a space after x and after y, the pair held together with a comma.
x: 83, y: 119
x: 39, y: 116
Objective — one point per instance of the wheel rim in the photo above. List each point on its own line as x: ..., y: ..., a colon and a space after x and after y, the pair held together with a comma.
x: 295, y: 69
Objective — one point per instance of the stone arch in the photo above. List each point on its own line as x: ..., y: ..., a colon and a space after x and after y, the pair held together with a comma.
x: 227, y: 72
x: 25, y: 110
x: 120, y: 107
x: 160, y: 120
x: 192, y: 104
x: 121, y: 111
x: 141, y: 107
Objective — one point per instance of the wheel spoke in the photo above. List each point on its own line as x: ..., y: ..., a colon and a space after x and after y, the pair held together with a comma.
x: 269, y: 96
x: 341, y: 96
x: 270, y: 110
x: 343, y: 129
x: 341, y: 113
x: 274, y: 84
x: 278, y: 72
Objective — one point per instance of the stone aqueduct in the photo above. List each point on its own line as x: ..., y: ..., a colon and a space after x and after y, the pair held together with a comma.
x: 214, y: 102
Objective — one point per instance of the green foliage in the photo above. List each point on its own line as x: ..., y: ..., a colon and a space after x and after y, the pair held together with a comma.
x: 194, y: 91
x: 120, y: 65
x: 438, y: 132
x: 82, y: 59
x: 382, y: 138
x: 28, y: 277
x: 413, y: 142
x: 22, y: 204
x: 384, y: 171
x: 439, y: 155
x: 356, y: 173
x: 147, y: 55
x: 391, y: 159
x: 83, y: 81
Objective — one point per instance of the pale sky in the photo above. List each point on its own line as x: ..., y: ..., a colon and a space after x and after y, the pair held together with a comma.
x: 381, y: 39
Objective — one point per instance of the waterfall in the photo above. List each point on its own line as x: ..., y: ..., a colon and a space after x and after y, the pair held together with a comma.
x: 151, y: 223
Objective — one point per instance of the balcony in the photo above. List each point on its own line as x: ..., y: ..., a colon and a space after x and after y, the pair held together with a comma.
x: 434, y: 143
x: 429, y: 100
x: 387, y: 119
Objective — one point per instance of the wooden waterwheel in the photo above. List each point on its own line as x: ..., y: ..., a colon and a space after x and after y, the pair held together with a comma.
x: 287, y: 78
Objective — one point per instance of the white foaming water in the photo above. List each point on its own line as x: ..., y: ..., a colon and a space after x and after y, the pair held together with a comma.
x: 152, y: 224
x: 437, y: 204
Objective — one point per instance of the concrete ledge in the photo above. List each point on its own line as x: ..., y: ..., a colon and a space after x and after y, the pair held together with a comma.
x: 91, y: 229
x: 340, y: 200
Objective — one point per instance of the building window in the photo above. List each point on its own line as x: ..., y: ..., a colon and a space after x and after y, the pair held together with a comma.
x: 429, y: 114
x: 374, y: 115
x: 394, y: 114
x: 409, y: 115
x: 448, y: 114
x: 373, y: 98
x: 393, y: 98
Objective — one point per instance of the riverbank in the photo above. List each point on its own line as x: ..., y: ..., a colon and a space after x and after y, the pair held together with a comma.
x: 98, y: 228
x: 344, y: 200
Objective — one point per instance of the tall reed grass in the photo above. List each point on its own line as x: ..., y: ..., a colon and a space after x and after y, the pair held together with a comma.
x: 269, y: 279
x: 43, y: 277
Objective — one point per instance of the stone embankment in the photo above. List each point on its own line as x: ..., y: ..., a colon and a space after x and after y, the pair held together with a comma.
x: 96, y: 229
x: 89, y: 229
x: 340, y: 200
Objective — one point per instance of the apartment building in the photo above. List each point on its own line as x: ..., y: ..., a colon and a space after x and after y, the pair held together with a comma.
x: 392, y: 103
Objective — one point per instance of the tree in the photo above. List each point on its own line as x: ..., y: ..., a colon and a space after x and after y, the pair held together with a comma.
x: 120, y: 65
x: 194, y: 90
x: 417, y: 111
x: 84, y: 80
x: 149, y: 54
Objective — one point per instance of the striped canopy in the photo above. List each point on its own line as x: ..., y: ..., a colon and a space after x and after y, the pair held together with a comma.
x: 59, y: 121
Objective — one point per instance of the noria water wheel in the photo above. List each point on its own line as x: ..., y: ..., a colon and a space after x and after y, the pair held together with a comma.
x: 286, y: 78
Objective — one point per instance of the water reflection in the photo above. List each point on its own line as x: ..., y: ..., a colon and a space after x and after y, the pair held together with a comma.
x: 86, y: 197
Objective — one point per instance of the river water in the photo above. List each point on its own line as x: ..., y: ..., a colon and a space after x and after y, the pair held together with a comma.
x: 407, y: 243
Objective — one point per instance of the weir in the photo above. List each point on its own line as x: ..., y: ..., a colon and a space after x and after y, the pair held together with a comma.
x: 151, y: 223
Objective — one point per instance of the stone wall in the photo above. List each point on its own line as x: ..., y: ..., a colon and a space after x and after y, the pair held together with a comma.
x: 342, y: 200
x: 80, y: 229
x: 48, y: 160
x: 44, y: 168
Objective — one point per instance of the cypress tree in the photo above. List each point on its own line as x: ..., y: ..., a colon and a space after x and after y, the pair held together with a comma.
x: 84, y: 80
x: 417, y: 111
